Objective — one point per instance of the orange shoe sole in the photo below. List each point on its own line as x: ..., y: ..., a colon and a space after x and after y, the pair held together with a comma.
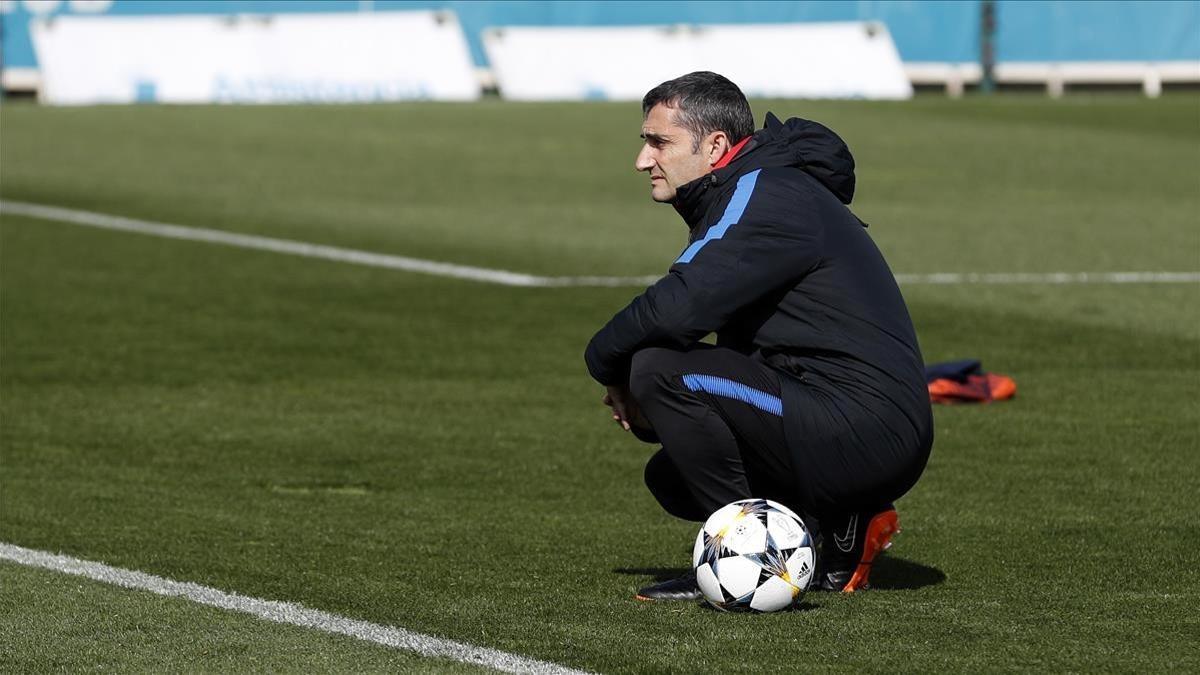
x: 879, y: 538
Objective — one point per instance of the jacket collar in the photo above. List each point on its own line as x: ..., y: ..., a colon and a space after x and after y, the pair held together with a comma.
x: 799, y: 143
x: 693, y: 199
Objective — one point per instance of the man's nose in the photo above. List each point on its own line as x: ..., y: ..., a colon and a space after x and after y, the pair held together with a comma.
x: 644, y: 162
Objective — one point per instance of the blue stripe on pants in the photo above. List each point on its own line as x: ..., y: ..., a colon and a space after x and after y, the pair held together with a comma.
x: 719, y: 386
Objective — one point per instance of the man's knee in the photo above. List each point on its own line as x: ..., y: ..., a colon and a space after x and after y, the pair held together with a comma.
x: 661, y: 473
x: 648, y: 372
x: 668, y: 487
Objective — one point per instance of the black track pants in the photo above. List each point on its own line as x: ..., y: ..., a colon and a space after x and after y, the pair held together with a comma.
x: 717, y: 414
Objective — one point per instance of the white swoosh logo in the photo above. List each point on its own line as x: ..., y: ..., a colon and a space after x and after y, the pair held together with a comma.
x: 846, y: 544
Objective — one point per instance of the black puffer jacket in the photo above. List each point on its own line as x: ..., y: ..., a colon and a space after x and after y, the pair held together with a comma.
x: 780, y: 269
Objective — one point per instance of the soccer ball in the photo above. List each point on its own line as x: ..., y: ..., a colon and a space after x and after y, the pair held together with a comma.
x: 753, y: 555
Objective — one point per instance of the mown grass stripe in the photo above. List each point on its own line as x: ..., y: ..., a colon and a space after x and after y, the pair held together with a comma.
x: 285, y: 612
x: 509, y: 278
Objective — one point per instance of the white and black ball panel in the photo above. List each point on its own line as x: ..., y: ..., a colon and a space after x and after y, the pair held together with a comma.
x: 698, y: 548
x: 785, y: 529
x: 721, y: 517
x: 773, y: 595
x: 746, y: 533
x: 738, y: 575
x: 800, y: 566
x: 783, y: 509
x: 706, y: 578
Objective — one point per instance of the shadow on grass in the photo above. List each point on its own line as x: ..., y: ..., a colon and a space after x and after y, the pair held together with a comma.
x: 890, y: 574
x: 897, y: 574
x: 656, y: 574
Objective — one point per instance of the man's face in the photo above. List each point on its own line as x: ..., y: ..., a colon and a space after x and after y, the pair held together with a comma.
x: 669, y: 154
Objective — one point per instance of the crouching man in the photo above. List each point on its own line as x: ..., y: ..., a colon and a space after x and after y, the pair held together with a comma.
x: 814, y: 395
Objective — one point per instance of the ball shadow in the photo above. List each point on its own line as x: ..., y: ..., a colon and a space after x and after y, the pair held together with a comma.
x: 804, y: 606
x: 890, y: 574
x: 657, y: 574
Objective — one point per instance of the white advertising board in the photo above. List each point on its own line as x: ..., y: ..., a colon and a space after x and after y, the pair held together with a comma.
x: 292, y: 58
x: 801, y: 60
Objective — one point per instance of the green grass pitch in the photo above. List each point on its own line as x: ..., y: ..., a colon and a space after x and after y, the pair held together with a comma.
x: 430, y: 453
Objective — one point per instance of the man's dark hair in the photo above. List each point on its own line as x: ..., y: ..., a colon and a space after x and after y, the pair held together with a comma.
x: 704, y: 102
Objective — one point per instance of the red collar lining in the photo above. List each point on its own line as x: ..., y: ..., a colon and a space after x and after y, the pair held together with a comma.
x: 728, y: 157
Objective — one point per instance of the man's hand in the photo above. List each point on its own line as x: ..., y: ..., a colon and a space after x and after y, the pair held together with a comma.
x: 624, y: 410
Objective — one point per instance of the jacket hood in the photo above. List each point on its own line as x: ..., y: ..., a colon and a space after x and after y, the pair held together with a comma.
x: 800, y: 143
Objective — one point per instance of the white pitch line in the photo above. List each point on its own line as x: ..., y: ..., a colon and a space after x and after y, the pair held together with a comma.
x: 508, y: 278
x: 307, y: 250
x: 287, y: 613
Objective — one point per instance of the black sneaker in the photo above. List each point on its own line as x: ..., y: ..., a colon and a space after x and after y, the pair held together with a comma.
x: 849, y: 545
x: 683, y: 588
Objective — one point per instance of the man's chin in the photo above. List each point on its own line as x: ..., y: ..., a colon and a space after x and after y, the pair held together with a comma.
x: 662, y: 196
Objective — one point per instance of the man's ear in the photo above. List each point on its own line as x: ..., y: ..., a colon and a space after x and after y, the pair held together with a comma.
x: 716, y: 145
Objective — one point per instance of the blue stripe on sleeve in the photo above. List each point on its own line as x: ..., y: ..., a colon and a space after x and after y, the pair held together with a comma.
x: 719, y: 386
x: 733, y: 213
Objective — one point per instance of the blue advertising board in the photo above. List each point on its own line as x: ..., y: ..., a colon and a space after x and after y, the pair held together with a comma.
x: 924, y: 31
